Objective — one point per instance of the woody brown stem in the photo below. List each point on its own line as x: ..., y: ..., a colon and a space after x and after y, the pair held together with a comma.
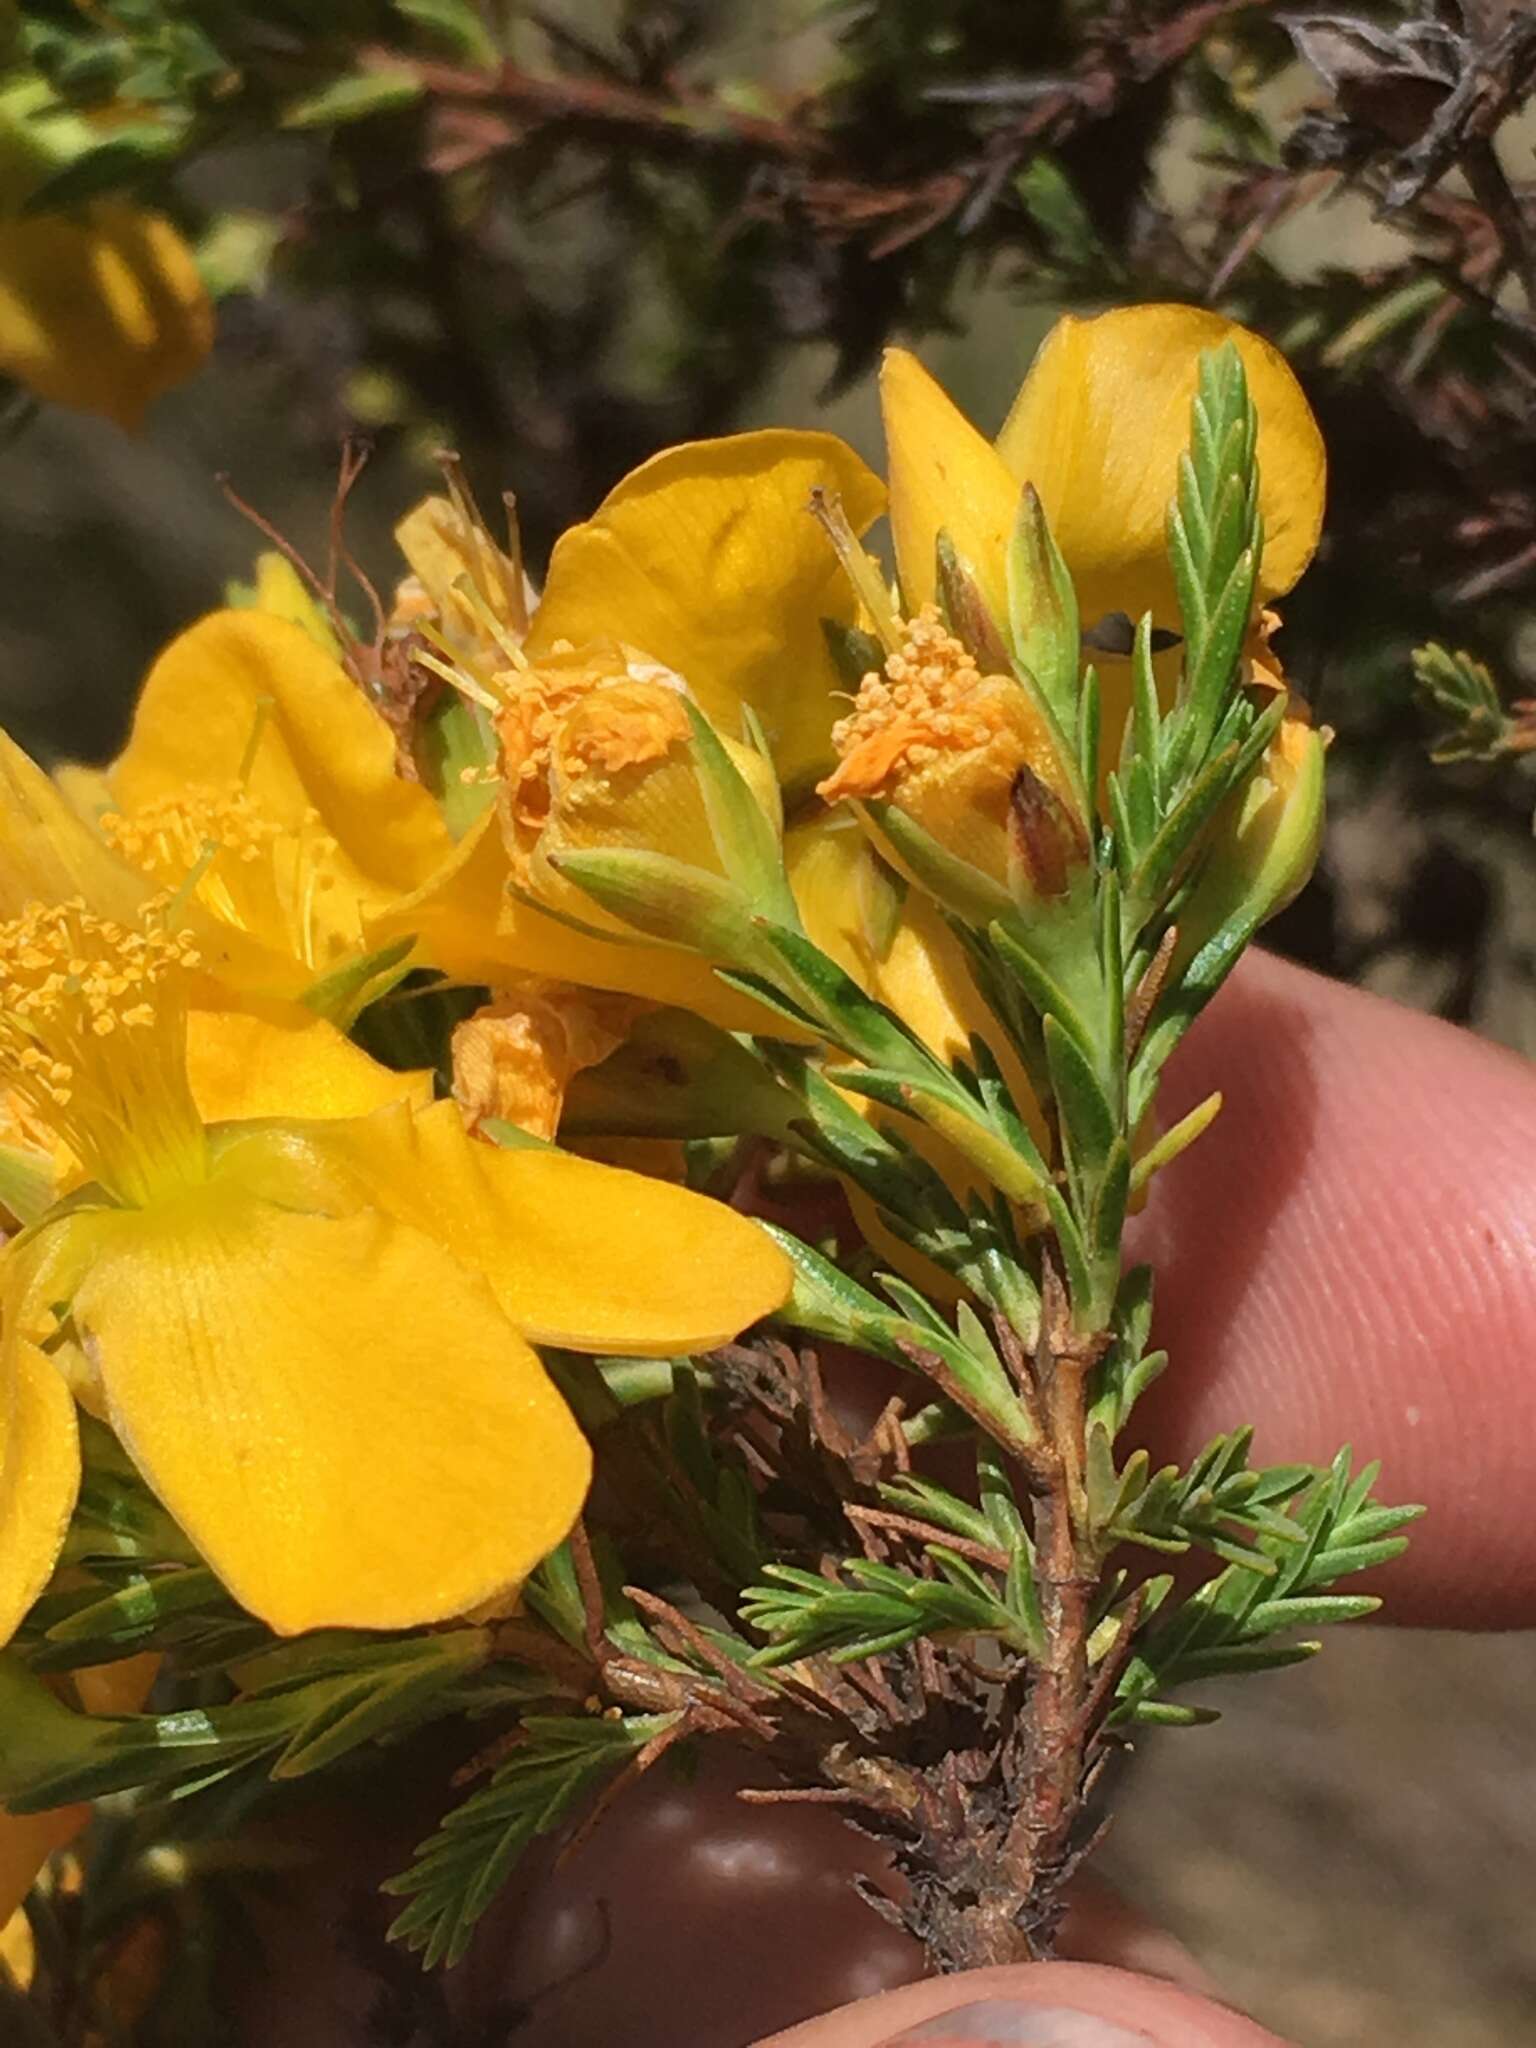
x: 1014, y: 1909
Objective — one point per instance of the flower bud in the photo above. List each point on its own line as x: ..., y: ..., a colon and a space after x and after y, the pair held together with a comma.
x: 968, y: 760
x: 946, y: 478
x: 1264, y: 843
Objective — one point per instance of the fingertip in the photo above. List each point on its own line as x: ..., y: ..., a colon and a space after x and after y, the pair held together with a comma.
x: 1034, y: 2005
x: 1349, y: 1255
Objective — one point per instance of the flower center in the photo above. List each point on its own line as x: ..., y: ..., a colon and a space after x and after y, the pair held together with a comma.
x: 282, y: 885
x: 527, y: 730
x: 93, y: 1042
x: 921, y: 704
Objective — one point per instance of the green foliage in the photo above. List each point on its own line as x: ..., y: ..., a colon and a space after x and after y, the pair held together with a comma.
x: 1230, y: 1624
x: 1219, y: 1504
x: 871, y: 1609
x: 301, y: 1708
x: 1459, y: 691
x: 558, y: 1763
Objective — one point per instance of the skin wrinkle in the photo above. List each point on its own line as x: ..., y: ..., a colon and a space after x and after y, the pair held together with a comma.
x: 1383, y: 1167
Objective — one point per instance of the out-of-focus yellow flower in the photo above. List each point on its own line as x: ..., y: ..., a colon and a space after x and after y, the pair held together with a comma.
x: 1097, y: 428
x: 312, y: 1338
x: 102, y: 309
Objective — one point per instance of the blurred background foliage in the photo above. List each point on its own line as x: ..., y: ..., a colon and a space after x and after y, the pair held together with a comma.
x: 554, y: 238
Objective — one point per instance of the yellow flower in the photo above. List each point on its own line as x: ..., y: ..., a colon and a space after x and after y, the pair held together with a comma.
x: 707, y: 560
x: 966, y: 757
x: 250, y: 1053
x: 703, y: 571
x: 257, y: 776
x: 102, y: 310
x: 313, y: 1337
x: 1097, y: 428
x: 943, y: 732
x: 612, y: 765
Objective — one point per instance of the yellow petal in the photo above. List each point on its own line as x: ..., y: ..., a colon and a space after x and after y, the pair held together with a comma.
x: 461, y: 575
x: 914, y: 964
x: 944, y: 475
x: 283, y: 1061
x: 243, y: 692
x: 579, y: 1254
x: 27, y: 1840
x: 102, y: 312
x: 707, y: 559
x: 39, y: 1478
x: 48, y: 853
x: 335, y: 1411
x: 471, y: 928
x: 1098, y: 428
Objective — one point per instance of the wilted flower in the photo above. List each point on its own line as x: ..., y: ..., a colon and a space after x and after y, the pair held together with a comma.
x: 514, y: 1059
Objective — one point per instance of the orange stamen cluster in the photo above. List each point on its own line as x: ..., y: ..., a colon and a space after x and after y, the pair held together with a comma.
x: 920, y: 705
x: 527, y: 730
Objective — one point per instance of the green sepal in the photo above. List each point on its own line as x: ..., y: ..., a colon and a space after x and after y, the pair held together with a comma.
x: 343, y: 994
x: 955, y: 883
x: 677, y: 1076
x: 454, y: 748
x: 665, y: 899
x: 749, y: 847
x: 1043, y: 619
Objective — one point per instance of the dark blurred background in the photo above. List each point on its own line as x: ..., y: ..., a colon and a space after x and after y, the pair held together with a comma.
x: 569, y: 235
